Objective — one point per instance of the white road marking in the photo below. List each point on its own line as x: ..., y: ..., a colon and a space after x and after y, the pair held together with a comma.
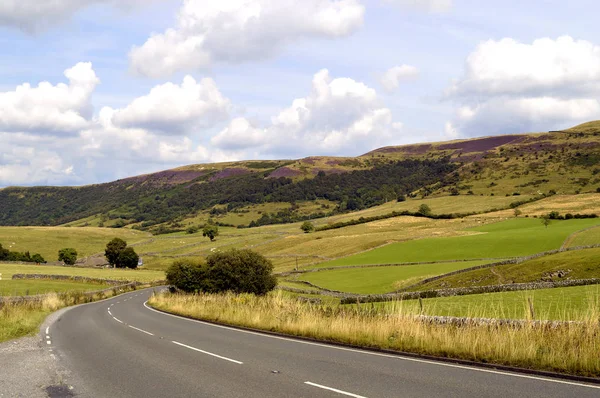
x: 110, y: 313
x: 48, y: 330
x: 47, y: 337
x: 208, y: 353
x: 378, y: 354
x: 334, y: 390
x: 117, y: 320
x: 140, y: 330
x: 48, y: 342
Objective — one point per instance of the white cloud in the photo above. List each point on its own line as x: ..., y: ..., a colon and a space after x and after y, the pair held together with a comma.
x: 50, y: 108
x: 34, y: 15
x: 511, y: 87
x: 234, y: 31
x: 429, y: 5
x: 339, y: 115
x: 561, y: 67
x: 392, y: 78
x: 176, y: 109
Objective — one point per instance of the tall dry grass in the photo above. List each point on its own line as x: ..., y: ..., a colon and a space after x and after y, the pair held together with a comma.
x: 569, y: 348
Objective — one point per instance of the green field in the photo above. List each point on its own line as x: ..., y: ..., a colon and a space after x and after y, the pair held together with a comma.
x: 580, y: 264
x: 33, y: 287
x: 48, y: 240
x: 7, y: 271
x: 511, y: 238
x: 374, y: 280
x: 569, y: 303
x: 586, y: 238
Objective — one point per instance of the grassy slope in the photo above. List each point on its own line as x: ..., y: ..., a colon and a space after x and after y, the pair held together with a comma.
x: 48, y: 240
x: 375, y: 280
x: 33, y: 287
x: 586, y: 238
x: 580, y: 264
x: 569, y: 303
x: 512, y: 238
x: 7, y: 271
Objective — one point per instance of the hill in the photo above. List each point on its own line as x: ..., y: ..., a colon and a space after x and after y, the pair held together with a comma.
x: 250, y: 193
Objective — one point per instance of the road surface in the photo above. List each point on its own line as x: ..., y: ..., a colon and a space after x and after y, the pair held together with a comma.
x: 122, y: 348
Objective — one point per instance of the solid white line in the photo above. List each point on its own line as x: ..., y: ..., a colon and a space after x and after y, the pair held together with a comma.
x: 399, y: 356
x: 334, y: 390
x: 140, y: 330
x: 117, y: 320
x: 208, y: 353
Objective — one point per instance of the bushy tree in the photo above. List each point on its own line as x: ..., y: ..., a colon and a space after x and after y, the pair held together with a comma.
x: 128, y: 258
x: 546, y: 220
x: 425, y: 210
x: 4, y: 253
x: 239, y: 271
x: 67, y: 255
x: 211, y: 231
x: 307, y: 227
x: 113, y: 251
x: 187, y: 275
x: 38, y: 259
x: 192, y: 229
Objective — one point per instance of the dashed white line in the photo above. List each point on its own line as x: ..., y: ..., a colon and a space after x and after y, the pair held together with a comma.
x: 399, y: 356
x: 208, y: 353
x: 140, y: 330
x: 48, y: 330
x: 334, y: 390
x: 48, y: 342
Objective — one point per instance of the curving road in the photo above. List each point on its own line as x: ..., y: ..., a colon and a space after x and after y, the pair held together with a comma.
x: 122, y: 348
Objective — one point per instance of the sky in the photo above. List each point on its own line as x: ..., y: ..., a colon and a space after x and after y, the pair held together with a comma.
x: 96, y: 90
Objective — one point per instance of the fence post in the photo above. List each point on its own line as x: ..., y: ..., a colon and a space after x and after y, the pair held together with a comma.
x: 531, y: 309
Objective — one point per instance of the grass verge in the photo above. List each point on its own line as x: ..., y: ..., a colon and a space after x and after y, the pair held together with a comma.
x: 570, y: 348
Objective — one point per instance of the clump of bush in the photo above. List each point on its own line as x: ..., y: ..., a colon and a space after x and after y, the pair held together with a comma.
x: 237, y: 271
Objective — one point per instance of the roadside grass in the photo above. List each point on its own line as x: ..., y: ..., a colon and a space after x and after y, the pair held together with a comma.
x: 577, y: 264
x: 24, y: 319
x: 375, y: 280
x: 8, y: 270
x: 511, y: 238
x: 570, y: 348
x: 34, y: 287
x: 49, y: 240
x: 577, y: 303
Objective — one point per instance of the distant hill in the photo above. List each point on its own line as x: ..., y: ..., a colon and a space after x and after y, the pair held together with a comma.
x: 538, y: 163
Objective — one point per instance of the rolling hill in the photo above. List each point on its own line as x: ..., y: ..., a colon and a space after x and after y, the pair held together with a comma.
x: 265, y: 192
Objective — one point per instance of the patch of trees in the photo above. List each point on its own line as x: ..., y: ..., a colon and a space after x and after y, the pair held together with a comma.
x: 25, y: 257
x: 237, y: 271
x: 119, y: 255
x: 67, y: 255
x: 554, y: 215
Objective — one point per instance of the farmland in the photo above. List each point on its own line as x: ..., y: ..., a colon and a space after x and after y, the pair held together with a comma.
x: 8, y: 270
x: 33, y: 287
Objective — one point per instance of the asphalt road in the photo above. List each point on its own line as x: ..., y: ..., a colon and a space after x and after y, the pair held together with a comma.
x: 121, y: 348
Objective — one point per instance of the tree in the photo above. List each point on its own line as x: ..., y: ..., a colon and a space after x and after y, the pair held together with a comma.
x: 128, y: 258
x: 211, y: 231
x: 4, y: 253
x: 307, y: 227
x: 546, y: 221
x: 67, y: 255
x: 187, y: 275
x: 239, y: 271
x: 425, y: 210
x: 518, y: 212
x: 38, y: 259
x: 113, y: 250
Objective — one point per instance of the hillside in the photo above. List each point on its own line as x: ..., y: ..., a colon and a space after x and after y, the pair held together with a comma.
x: 265, y: 192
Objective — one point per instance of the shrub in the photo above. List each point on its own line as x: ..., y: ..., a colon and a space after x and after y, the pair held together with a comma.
x: 239, y: 271
x: 307, y: 227
x: 211, y: 231
x: 187, y: 275
x: 192, y: 230
x: 67, y: 255
x: 425, y: 210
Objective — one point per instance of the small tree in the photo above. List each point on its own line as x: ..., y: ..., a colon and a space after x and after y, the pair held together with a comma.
x: 518, y: 212
x: 128, y: 258
x: 113, y: 250
x: 192, y: 230
x: 307, y: 227
x: 546, y: 221
x: 67, y: 255
x: 211, y: 231
x: 38, y: 259
x: 425, y: 210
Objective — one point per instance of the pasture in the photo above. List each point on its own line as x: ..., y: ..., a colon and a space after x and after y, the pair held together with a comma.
x: 8, y: 270
x: 577, y: 303
x: 511, y: 238
x: 33, y: 287
x: 376, y: 280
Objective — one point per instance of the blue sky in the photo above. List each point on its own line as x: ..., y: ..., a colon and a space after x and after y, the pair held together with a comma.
x: 133, y: 86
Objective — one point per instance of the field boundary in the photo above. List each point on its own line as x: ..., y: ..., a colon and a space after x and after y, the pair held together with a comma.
x: 70, y: 278
x: 41, y: 297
